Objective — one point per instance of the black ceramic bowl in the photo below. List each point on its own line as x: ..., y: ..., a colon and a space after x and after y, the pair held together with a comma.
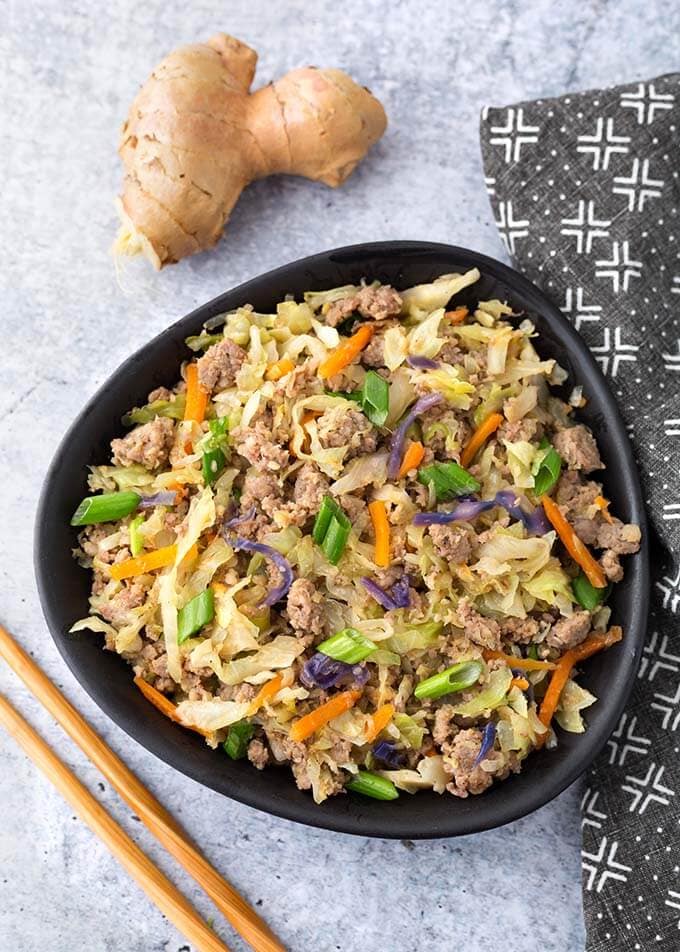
x: 64, y: 586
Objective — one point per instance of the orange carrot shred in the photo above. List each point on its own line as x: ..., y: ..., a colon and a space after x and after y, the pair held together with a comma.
x: 197, y: 401
x: 597, y: 641
x: 149, y: 561
x: 381, y: 529
x: 576, y: 549
x: 458, y: 315
x: 197, y: 397
x: 164, y: 704
x: 413, y: 457
x: 346, y: 352
x: 267, y: 691
x: 603, y: 505
x: 315, y: 720
x: 279, y: 369
x: 523, y: 664
x: 520, y: 683
x: 379, y: 722
x: 593, y: 643
x: 479, y: 437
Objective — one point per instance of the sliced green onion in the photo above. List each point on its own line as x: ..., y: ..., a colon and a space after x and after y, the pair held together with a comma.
x: 238, y: 738
x: 372, y: 785
x: 136, y: 537
x: 448, y: 479
x: 217, y: 437
x: 533, y: 652
x: 106, y: 508
x: 195, y: 614
x: 374, y: 397
x: 164, y: 408
x: 331, y: 529
x: 586, y: 594
x: 329, y: 508
x: 348, y: 645
x: 549, y: 471
x: 375, y: 400
x: 457, y: 678
x: 203, y: 341
x: 335, y: 539
x: 214, y: 446
x: 213, y: 464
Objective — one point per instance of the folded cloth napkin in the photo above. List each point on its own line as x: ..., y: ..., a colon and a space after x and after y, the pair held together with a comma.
x: 586, y: 194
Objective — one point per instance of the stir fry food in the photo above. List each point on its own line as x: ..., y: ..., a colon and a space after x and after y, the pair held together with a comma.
x: 360, y: 536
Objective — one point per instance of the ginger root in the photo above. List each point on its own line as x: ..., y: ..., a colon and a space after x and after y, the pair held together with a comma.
x: 195, y: 137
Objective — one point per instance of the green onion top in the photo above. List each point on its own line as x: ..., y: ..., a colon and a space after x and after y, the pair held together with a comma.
x: 336, y: 538
x: 586, y: 594
x: 372, y: 785
x: 373, y: 397
x: 108, y: 507
x: 348, y: 645
x: 549, y: 470
x: 331, y: 529
x: 212, y: 465
x: 375, y: 400
x: 195, y: 614
x: 457, y: 678
x: 202, y: 341
x: 448, y: 479
x: 214, y: 447
x: 329, y: 509
x: 238, y: 738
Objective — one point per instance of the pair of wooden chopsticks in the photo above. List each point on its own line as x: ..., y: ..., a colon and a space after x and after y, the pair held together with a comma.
x: 167, y: 897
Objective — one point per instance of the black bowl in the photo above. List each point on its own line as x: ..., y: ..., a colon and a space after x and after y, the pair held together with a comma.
x: 64, y: 586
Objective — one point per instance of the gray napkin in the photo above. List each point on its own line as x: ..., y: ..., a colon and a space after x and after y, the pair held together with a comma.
x: 585, y: 190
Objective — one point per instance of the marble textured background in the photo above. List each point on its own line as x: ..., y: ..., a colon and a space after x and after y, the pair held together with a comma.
x: 68, y: 73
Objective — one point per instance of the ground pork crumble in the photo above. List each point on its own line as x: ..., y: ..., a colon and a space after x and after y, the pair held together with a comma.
x: 372, y: 597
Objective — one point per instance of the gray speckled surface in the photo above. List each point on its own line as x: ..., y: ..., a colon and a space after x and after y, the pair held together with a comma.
x: 68, y: 74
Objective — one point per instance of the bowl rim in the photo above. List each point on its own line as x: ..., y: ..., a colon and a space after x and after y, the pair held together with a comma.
x: 308, y: 813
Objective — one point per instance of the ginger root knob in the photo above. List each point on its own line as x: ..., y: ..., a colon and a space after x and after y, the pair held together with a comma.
x: 196, y: 136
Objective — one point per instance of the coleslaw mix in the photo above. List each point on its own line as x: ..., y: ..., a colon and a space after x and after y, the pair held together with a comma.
x: 360, y: 536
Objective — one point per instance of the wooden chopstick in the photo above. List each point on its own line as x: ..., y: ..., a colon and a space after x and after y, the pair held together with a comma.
x: 158, y: 887
x: 233, y: 906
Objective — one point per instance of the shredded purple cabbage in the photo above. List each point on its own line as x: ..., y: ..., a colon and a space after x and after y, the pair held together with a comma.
x: 534, y: 519
x: 164, y: 498
x: 422, y: 405
x: 488, y: 739
x: 422, y: 363
x: 400, y: 592
x: 239, y: 520
x: 387, y: 752
x: 397, y: 596
x: 320, y: 671
x: 467, y: 510
x: 379, y: 594
x: 280, y: 561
